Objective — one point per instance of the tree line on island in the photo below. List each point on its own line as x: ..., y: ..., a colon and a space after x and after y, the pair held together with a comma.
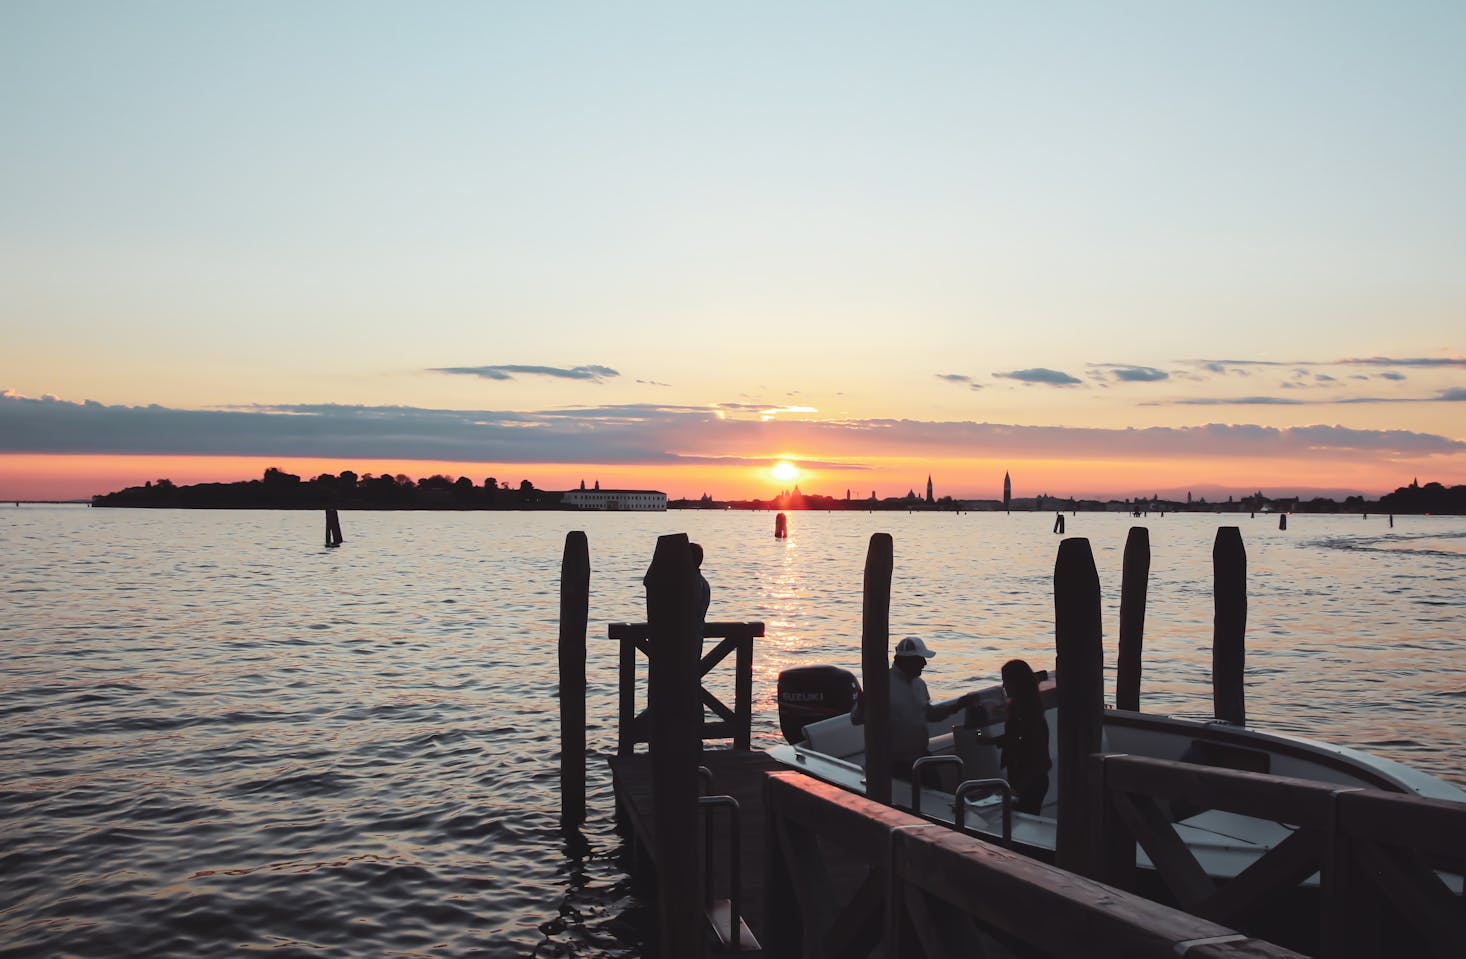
x: 348, y: 490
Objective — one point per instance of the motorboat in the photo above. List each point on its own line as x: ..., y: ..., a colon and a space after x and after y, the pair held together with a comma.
x: 822, y: 742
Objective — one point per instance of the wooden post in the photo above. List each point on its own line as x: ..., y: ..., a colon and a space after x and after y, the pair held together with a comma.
x: 333, y: 527
x: 574, y: 615
x: 675, y: 710
x: 781, y: 527
x: 875, y: 642
x: 743, y: 691
x: 1132, y: 618
x: 1282, y: 521
x: 1228, y: 652
x: 1080, y: 663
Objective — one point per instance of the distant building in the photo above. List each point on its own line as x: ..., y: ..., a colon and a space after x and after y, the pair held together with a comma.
x: 644, y: 500
x: 1007, y: 491
x: 929, y: 498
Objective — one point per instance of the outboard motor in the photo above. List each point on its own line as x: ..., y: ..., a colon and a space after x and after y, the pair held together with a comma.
x: 808, y: 694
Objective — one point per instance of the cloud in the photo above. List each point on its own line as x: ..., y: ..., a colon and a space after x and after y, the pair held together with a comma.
x: 639, y: 434
x: 652, y: 383
x: 1392, y: 375
x: 1451, y: 395
x: 960, y: 378
x: 1139, y: 374
x: 1039, y: 375
x: 1235, y: 366
x: 1235, y: 401
x: 1414, y: 361
x: 593, y: 374
x: 1241, y: 367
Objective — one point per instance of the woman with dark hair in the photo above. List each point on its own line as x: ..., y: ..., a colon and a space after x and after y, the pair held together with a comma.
x: 1025, y: 738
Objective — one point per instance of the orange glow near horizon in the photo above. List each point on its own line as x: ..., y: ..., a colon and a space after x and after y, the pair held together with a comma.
x: 70, y: 477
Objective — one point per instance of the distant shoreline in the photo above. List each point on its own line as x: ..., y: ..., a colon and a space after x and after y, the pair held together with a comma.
x: 348, y: 491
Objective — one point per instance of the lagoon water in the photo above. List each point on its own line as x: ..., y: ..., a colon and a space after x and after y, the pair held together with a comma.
x: 217, y: 737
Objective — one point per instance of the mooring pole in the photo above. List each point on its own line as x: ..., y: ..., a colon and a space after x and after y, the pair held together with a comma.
x: 675, y: 710
x: 574, y: 615
x: 1133, y: 586
x: 1228, y: 652
x: 333, y: 527
x: 1081, y: 666
x: 875, y: 642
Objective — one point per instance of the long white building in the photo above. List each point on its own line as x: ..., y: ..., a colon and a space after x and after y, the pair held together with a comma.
x: 617, y: 499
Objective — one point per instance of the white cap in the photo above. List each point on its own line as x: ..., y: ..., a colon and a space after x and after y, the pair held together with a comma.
x: 913, y: 646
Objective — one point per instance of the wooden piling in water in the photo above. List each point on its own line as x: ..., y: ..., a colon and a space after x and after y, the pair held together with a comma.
x: 333, y: 527
x: 1229, y: 579
x: 1133, y: 585
x: 875, y: 641
x: 781, y: 527
x: 673, y: 704
x: 574, y: 616
x: 1282, y: 521
x: 1080, y: 664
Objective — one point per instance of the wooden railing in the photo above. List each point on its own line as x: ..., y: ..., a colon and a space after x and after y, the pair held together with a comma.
x: 928, y: 890
x: 733, y: 723
x: 1378, y: 855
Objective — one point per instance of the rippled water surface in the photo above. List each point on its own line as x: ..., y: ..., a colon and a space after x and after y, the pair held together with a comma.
x: 219, y: 737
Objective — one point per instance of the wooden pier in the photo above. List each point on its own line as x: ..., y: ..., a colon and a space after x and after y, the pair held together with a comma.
x: 750, y: 858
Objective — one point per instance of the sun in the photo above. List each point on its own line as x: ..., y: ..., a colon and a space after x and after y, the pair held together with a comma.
x: 784, y: 471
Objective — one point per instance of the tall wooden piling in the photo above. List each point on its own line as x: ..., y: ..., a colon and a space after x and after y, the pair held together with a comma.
x: 781, y: 527
x: 675, y: 709
x: 1282, y: 521
x: 333, y: 527
x: 1229, y: 579
x: 875, y: 642
x: 1133, y: 586
x: 574, y: 616
x: 1080, y: 663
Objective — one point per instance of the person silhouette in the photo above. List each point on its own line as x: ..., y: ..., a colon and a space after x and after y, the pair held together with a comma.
x: 911, y: 707
x: 705, y: 594
x: 1025, y: 738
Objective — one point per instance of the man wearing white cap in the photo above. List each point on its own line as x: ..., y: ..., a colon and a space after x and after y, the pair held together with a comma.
x: 911, y: 705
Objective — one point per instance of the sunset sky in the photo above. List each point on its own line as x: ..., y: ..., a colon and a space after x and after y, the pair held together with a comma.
x: 1112, y: 249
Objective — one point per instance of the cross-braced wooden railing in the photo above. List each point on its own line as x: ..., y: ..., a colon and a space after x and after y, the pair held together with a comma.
x: 733, y: 723
x: 1389, y: 865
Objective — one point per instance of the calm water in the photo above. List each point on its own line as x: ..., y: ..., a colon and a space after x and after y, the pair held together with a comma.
x: 219, y: 737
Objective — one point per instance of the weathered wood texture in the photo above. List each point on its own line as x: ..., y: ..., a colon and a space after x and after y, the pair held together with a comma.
x: 875, y: 644
x: 1377, y: 853
x: 1229, y: 572
x: 1080, y: 664
x: 673, y: 617
x: 1133, y: 586
x: 734, y: 723
x: 574, y: 615
x: 942, y: 893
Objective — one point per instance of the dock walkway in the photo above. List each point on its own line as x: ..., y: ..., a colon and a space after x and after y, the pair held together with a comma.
x: 737, y: 773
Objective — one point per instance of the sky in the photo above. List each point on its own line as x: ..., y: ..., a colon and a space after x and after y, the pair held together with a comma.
x: 1111, y: 249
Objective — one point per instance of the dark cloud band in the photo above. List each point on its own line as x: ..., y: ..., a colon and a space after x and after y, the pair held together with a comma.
x: 644, y: 434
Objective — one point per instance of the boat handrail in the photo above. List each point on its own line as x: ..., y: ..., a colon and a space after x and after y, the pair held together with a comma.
x: 916, y: 769
x: 999, y: 786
